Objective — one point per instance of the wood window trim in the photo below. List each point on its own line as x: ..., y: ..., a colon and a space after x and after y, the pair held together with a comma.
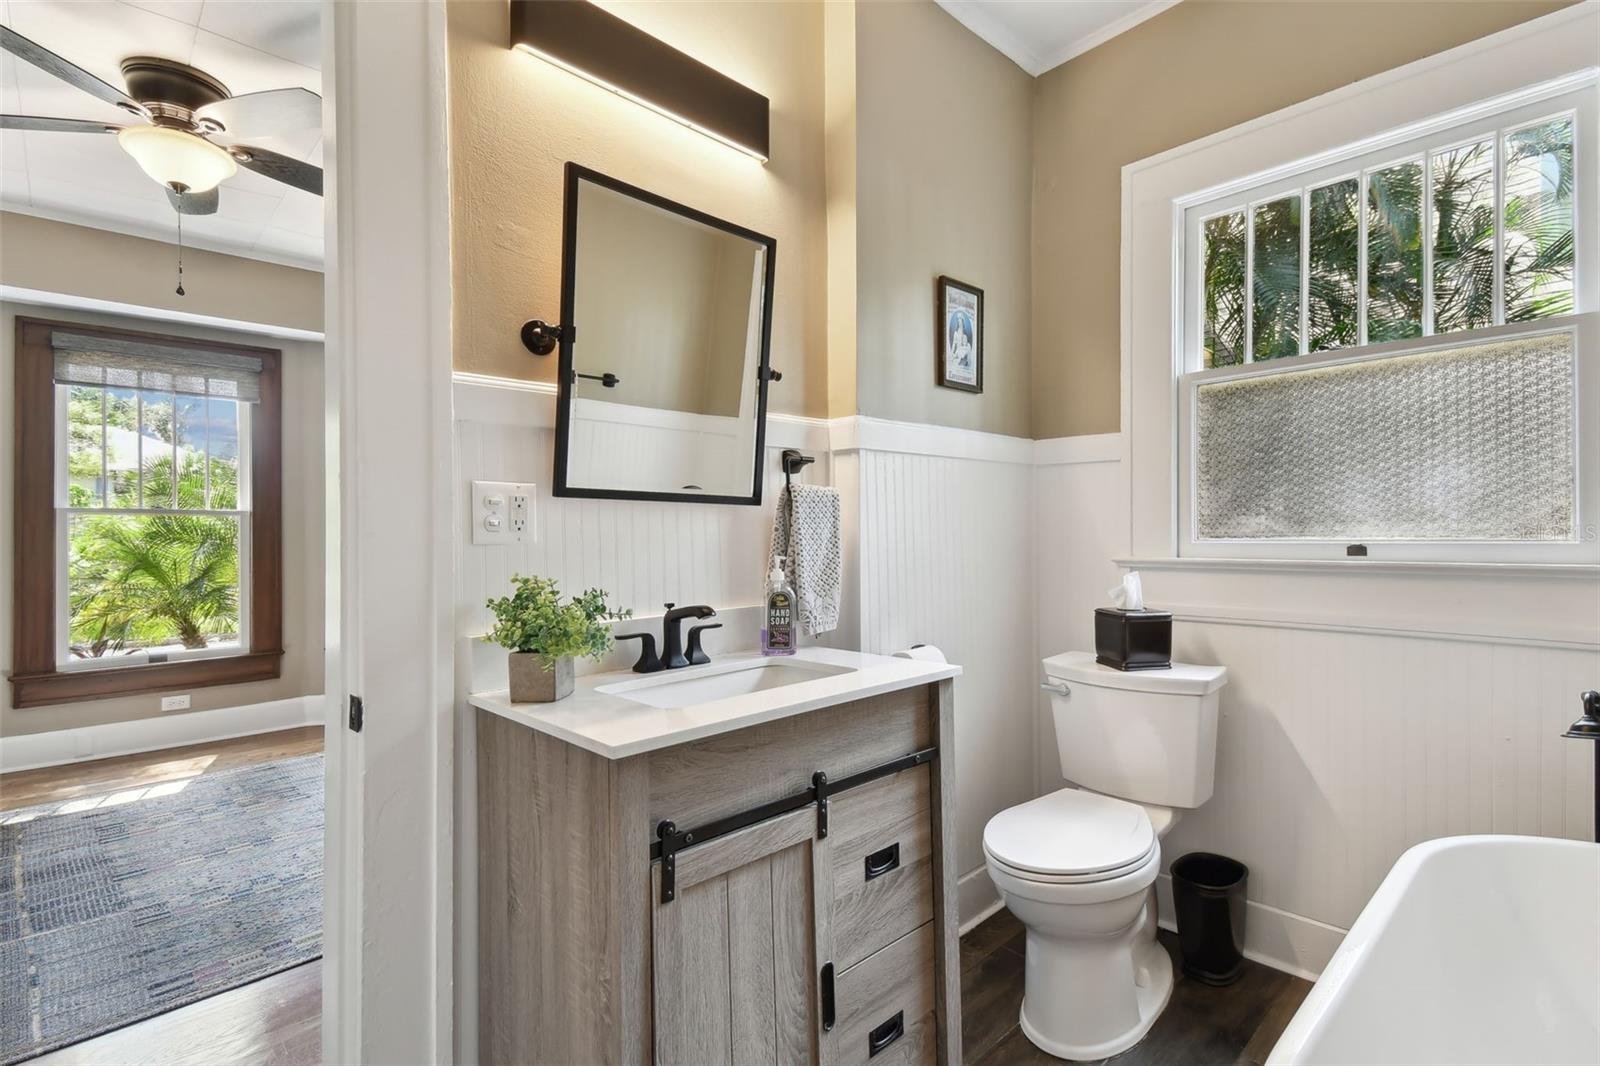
x: 35, y: 679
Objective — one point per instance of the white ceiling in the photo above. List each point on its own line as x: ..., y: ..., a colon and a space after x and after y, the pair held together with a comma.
x: 88, y: 179
x: 1040, y: 34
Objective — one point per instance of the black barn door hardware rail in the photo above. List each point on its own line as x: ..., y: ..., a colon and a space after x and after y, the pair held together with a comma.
x: 670, y: 840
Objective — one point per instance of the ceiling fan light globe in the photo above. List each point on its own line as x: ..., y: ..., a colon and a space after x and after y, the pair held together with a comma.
x: 173, y: 157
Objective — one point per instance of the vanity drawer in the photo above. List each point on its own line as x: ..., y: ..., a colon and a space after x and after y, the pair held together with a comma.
x: 881, y: 848
x: 885, y: 1002
x: 704, y: 780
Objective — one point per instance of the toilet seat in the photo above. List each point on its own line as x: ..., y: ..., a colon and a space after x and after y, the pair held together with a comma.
x: 1070, y: 837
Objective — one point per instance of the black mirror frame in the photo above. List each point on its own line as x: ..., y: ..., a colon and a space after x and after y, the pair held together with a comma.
x: 576, y: 173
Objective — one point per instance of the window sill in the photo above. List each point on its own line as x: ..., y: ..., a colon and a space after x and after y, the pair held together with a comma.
x: 1563, y: 571
x: 44, y: 689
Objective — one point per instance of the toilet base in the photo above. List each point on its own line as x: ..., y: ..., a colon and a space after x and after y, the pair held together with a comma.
x: 1153, y: 988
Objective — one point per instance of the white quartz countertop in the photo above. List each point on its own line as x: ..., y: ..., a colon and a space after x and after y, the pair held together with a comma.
x: 614, y: 726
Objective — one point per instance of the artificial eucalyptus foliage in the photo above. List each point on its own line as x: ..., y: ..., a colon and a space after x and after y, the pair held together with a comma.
x: 533, y: 619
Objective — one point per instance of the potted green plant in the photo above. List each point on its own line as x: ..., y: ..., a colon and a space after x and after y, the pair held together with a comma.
x: 543, y: 635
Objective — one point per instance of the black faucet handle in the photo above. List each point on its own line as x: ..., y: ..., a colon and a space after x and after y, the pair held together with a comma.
x: 648, y: 662
x: 697, y: 655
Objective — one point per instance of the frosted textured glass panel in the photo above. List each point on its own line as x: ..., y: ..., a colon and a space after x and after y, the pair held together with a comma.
x: 1470, y: 443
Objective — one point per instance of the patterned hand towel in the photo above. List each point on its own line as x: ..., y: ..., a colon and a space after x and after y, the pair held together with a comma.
x: 805, y: 532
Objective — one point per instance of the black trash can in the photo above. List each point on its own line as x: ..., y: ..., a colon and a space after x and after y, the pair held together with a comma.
x: 1208, y: 898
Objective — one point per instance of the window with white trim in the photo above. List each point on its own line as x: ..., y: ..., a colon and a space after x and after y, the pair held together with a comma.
x: 153, y: 540
x: 1384, y: 345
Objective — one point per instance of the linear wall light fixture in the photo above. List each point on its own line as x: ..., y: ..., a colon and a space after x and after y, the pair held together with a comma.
x: 616, y: 55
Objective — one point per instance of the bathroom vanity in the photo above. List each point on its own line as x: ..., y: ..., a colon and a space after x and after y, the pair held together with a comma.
x: 747, y: 862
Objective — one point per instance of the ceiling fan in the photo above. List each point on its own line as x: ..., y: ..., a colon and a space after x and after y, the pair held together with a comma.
x: 189, y: 126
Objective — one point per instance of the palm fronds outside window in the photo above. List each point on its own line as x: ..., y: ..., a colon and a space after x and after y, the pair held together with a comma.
x: 153, y: 521
x: 1464, y: 237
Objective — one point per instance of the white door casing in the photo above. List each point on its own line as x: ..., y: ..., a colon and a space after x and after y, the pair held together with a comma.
x: 388, y: 872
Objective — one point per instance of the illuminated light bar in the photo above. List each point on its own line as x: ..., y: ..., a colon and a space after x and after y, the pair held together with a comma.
x: 596, y: 45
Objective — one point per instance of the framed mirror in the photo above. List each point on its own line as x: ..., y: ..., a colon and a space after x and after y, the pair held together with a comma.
x: 666, y: 325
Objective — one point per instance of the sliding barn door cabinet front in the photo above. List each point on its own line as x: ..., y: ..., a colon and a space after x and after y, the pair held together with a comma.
x: 783, y: 893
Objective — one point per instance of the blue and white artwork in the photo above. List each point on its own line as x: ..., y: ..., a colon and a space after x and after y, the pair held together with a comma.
x: 962, y: 341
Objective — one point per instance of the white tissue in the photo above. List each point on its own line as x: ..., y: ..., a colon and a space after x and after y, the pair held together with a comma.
x: 926, y: 652
x: 1129, y: 595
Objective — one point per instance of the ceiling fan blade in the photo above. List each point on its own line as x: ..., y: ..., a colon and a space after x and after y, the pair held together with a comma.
x: 264, y: 114
x: 193, y: 203
x: 280, y: 168
x: 54, y: 125
x: 73, y: 75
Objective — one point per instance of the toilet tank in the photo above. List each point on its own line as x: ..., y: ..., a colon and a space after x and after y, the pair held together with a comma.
x: 1149, y: 736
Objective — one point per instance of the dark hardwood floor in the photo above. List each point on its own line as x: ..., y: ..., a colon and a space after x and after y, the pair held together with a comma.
x: 1202, y: 1025
x: 276, y: 1021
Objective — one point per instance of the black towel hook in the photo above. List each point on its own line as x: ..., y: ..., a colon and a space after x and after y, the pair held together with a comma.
x: 792, y: 462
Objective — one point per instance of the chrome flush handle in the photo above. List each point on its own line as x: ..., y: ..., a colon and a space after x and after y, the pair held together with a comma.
x: 1056, y: 688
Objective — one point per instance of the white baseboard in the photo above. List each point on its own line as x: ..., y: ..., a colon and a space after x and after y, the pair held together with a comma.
x: 31, y: 751
x: 976, y: 897
x: 1289, y: 942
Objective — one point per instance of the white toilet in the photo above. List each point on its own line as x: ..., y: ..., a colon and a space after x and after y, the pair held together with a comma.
x: 1078, y: 867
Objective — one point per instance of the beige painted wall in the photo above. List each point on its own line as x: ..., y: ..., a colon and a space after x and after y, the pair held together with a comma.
x: 302, y: 531
x: 515, y: 120
x: 47, y: 256
x: 1201, y: 67
x: 943, y: 178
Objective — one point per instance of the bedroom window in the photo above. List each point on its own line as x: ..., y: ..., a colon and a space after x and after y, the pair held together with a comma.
x: 1383, y: 346
x: 151, y: 462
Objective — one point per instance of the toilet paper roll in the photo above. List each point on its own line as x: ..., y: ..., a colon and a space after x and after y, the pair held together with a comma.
x: 926, y: 652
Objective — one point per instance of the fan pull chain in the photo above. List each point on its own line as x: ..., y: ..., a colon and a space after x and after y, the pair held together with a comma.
x: 180, y: 250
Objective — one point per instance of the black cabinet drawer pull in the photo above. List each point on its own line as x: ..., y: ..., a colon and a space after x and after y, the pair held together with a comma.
x: 827, y: 997
x: 886, y: 1034
x: 883, y: 860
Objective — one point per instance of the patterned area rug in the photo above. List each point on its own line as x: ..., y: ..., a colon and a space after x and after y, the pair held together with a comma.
x: 119, y: 907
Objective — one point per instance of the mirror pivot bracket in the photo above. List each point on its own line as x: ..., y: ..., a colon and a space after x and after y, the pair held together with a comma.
x: 541, y: 338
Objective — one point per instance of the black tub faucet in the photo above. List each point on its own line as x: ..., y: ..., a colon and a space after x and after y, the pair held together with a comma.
x: 672, y: 655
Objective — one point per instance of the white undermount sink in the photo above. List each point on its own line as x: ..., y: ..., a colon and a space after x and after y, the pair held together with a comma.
x: 719, y: 681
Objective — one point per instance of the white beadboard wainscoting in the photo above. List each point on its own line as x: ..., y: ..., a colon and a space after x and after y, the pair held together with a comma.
x: 643, y: 553
x: 1364, y: 712
x: 943, y: 523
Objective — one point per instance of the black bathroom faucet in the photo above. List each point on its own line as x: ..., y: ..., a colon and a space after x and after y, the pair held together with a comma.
x: 672, y: 655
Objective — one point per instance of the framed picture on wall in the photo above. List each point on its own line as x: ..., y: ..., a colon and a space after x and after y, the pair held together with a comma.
x: 959, y: 335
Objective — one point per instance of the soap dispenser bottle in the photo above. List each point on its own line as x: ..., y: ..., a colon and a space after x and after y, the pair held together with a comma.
x: 777, y: 634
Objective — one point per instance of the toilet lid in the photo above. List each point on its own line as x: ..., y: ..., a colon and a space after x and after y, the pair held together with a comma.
x: 1070, y: 832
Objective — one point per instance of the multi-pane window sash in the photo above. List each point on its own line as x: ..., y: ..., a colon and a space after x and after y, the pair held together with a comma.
x: 1465, y: 228
x: 151, y: 431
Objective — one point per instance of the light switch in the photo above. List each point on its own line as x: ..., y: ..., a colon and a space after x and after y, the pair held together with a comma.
x: 502, y: 512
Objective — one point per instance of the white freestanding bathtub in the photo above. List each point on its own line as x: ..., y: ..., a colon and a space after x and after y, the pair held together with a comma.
x: 1475, y: 949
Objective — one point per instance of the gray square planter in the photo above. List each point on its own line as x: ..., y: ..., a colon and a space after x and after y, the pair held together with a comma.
x: 532, y: 683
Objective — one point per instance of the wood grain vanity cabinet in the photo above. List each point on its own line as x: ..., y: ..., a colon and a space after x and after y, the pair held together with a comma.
x: 817, y: 932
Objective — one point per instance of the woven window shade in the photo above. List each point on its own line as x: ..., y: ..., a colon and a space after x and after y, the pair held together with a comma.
x: 104, y: 361
x: 1467, y: 443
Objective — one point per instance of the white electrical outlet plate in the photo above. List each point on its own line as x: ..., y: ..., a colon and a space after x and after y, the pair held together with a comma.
x: 502, y: 512
x: 174, y: 703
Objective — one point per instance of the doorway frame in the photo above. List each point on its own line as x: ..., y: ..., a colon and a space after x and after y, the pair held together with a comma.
x: 388, y: 870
